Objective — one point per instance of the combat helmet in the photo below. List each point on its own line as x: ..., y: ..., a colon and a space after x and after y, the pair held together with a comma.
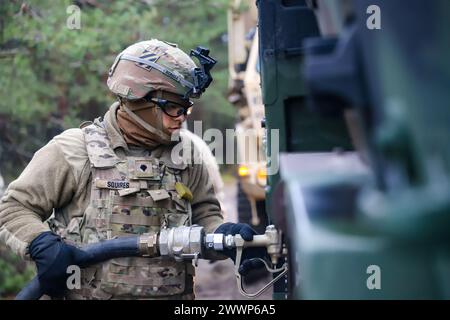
x: 156, y: 65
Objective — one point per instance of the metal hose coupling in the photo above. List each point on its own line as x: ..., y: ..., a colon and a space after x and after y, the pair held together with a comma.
x: 148, y: 244
x: 182, y: 243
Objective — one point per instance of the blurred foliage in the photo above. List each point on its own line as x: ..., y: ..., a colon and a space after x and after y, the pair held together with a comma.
x: 14, y: 273
x: 53, y: 78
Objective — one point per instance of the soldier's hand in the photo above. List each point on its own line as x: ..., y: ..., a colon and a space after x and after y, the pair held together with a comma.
x: 248, y: 254
x: 52, y: 257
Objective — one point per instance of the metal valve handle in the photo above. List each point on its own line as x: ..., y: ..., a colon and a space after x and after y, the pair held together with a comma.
x: 272, y: 241
x: 239, y: 278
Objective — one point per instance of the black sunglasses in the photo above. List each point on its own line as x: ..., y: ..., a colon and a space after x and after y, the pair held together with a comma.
x: 172, y: 109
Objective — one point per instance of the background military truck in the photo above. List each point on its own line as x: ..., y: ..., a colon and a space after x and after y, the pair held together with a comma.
x: 359, y: 92
x: 245, y: 95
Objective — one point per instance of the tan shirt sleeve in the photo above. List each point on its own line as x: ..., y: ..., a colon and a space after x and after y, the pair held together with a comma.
x: 205, y: 206
x: 206, y: 210
x: 46, y: 183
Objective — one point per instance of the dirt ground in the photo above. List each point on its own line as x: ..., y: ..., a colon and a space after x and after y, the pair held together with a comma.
x: 216, y: 281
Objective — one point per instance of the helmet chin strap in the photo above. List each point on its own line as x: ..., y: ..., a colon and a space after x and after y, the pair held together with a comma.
x: 146, y: 125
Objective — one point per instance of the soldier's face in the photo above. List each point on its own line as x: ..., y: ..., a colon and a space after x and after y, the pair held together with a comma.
x: 171, y: 124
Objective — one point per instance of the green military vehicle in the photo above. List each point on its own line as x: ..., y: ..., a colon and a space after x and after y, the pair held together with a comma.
x: 358, y: 91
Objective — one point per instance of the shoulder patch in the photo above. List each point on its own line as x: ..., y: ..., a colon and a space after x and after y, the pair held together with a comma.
x: 99, y: 151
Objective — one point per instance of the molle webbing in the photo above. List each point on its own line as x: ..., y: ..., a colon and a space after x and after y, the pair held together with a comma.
x: 132, y: 195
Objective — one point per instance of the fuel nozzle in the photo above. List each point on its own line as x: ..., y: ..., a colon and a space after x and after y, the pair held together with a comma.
x: 271, y: 240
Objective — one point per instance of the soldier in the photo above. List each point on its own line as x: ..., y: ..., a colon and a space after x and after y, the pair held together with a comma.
x: 115, y: 177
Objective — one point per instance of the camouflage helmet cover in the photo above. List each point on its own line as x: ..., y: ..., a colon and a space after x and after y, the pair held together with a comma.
x: 130, y: 79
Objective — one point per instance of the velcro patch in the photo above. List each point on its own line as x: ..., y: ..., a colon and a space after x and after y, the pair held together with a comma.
x: 126, y: 192
x: 160, y: 194
x: 149, y: 56
x: 112, y: 184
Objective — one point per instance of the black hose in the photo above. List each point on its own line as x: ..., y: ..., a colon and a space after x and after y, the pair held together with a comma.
x: 98, y: 252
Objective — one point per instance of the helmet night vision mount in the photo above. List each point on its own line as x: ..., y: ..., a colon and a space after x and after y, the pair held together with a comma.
x: 202, y: 76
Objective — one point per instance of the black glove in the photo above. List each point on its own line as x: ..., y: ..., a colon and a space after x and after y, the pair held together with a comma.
x: 248, y: 261
x: 52, y: 257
